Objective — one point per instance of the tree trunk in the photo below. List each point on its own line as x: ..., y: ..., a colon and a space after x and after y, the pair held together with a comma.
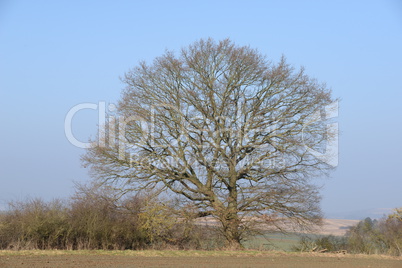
x: 231, y: 221
x: 231, y: 231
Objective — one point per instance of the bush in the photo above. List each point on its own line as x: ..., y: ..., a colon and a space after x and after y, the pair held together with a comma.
x: 369, y: 236
x: 96, y: 218
x: 377, y: 237
x: 34, y: 224
x: 328, y: 243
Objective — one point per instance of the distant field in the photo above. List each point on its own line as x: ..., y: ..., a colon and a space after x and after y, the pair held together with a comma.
x: 273, y: 241
x: 285, y: 242
x: 336, y: 227
x: 150, y: 258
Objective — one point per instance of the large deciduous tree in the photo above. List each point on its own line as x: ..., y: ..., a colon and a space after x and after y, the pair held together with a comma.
x: 223, y: 128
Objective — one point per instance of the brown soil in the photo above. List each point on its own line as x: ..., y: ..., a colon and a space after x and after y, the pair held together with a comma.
x: 236, y: 260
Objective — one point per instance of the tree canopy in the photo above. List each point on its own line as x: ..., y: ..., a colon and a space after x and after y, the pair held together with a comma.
x: 224, y: 129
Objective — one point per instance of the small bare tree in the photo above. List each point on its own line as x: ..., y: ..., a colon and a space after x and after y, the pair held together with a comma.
x: 222, y: 127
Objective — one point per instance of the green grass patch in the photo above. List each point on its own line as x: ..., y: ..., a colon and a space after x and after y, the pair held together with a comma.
x: 274, y: 241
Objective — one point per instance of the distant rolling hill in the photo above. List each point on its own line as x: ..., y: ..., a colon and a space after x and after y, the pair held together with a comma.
x: 336, y: 226
x: 374, y: 213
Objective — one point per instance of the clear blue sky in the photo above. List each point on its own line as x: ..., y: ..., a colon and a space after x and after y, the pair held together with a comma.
x: 57, y: 54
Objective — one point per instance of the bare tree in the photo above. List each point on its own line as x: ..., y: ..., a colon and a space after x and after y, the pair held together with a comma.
x: 222, y: 127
